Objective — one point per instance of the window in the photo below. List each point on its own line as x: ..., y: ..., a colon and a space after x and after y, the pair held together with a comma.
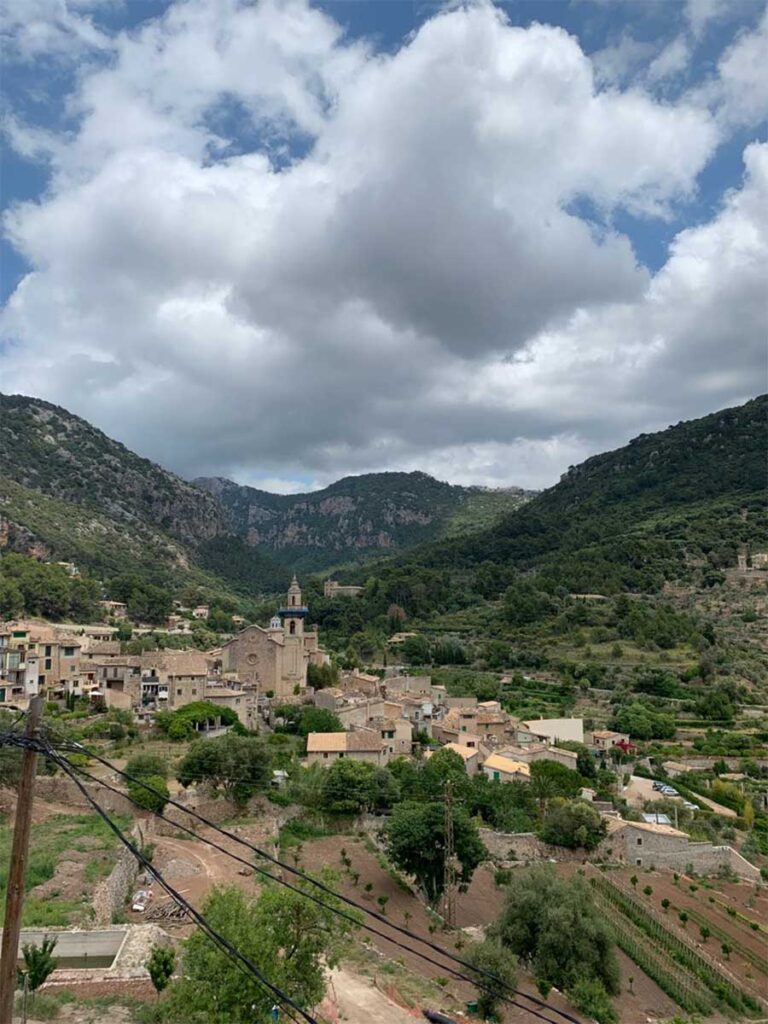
x: 639, y: 842
x: 496, y: 776
x: 293, y: 627
x: 48, y: 663
x: 639, y: 862
x: 325, y: 756
x: 48, y: 651
x: 69, y: 652
x: 178, y: 692
x: 194, y: 690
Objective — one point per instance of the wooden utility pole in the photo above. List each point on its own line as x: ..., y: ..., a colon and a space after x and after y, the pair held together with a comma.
x: 449, y: 870
x: 17, y: 870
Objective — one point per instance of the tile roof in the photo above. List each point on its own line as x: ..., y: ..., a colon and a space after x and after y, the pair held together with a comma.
x: 464, y: 752
x: 359, y: 740
x: 614, y: 824
x: 499, y: 763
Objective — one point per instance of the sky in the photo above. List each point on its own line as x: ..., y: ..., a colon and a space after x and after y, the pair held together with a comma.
x: 286, y: 242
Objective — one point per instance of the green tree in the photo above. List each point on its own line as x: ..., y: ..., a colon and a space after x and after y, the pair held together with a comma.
x: 161, y: 965
x: 141, y: 765
x: 150, y: 801
x: 235, y: 766
x: 550, y: 779
x: 354, y: 787
x: 11, y: 599
x: 292, y: 941
x: 415, y: 838
x: 554, y: 926
x: 491, y: 958
x: 39, y: 962
x: 573, y: 824
x: 589, y: 996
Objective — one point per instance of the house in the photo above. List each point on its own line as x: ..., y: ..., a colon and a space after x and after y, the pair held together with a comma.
x: 529, y: 753
x: 469, y: 755
x: 173, y: 678
x: 602, y: 740
x: 396, y: 734
x: 114, y: 609
x: 202, y: 611
x: 499, y: 768
x: 418, y: 710
x: 239, y: 701
x: 360, y: 682
x: 568, y: 729
x: 414, y: 686
x: 331, y: 588
x: 358, y: 745
x: 651, y: 845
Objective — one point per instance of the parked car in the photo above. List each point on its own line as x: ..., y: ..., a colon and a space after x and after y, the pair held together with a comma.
x: 690, y: 807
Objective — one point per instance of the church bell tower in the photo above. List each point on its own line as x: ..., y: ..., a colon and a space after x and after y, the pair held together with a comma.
x: 295, y: 612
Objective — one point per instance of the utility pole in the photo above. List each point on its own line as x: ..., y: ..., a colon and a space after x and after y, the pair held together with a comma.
x: 449, y: 869
x: 14, y: 898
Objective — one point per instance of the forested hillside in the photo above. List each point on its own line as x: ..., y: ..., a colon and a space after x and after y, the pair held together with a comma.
x: 359, y: 516
x: 70, y: 493
x: 665, y: 506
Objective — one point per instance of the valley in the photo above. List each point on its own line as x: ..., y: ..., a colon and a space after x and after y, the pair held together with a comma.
x: 580, y: 685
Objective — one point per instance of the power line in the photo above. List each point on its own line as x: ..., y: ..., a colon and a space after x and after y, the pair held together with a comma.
x: 443, y: 967
x: 374, y: 931
x: 198, y: 918
x: 79, y: 748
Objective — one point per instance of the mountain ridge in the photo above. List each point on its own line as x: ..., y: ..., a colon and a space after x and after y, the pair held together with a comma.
x: 355, y: 516
x: 70, y: 492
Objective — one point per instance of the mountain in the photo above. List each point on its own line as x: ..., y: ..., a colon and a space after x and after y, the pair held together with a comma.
x: 664, y: 506
x: 69, y: 492
x: 357, y: 517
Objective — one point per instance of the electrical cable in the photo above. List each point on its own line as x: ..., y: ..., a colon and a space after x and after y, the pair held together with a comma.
x: 262, y: 871
x: 79, y: 748
x: 198, y: 918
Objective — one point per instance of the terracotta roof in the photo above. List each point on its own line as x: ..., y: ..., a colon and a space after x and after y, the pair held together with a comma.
x: 499, y: 763
x: 177, y: 663
x: 614, y: 824
x: 605, y: 734
x: 464, y: 752
x: 343, y: 742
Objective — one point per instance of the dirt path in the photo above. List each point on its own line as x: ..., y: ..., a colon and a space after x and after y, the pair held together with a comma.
x: 353, y: 998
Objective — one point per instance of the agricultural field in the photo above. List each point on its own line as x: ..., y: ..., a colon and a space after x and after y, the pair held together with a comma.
x: 69, y: 855
x: 703, y: 941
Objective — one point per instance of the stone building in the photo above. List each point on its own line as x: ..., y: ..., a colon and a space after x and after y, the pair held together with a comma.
x: 358, y: 745
x: 648, y: 845
x: 275, y: 660
x: 332, y: 588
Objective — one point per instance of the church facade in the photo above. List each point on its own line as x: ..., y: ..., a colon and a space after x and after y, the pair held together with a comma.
x: 275, y: 660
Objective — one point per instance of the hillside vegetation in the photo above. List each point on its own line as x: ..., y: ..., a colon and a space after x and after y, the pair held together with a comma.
x: 359, y: 516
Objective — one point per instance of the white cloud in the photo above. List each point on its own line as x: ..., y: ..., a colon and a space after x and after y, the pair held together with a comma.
x: 672, y: 60
x: 416, y: 290
x: 740, y: 90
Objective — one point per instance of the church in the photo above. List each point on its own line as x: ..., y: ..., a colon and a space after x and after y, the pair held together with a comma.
x: 276, y: 659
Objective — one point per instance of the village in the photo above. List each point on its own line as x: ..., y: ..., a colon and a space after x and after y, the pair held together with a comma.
x: 252, y: 684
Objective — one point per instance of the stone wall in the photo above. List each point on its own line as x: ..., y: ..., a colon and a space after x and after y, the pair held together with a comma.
x: 63, y: 791
x: 659, y: 852
x: 504, y: 847
x: 110, y: 895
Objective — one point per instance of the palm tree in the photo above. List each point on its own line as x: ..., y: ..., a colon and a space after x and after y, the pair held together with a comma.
x: 39, y: 963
